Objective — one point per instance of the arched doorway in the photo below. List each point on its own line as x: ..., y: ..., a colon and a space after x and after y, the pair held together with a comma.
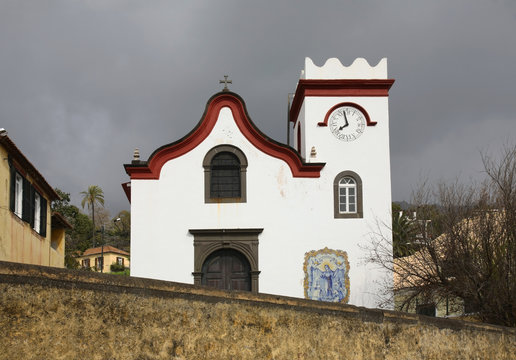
x: 227, y: 269
x: 207, y: 242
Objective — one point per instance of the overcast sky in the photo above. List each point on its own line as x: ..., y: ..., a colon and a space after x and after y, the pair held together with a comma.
x: 82, y: 83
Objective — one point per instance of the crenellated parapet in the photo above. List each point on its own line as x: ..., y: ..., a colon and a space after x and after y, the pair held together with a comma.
x: 334, y: 69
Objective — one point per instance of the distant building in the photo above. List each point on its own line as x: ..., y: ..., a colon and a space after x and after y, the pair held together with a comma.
x: 412, y: 273
x: 434, y: 306
x: 226, y: 206
x: 102, y: 257
x: 29, y: 232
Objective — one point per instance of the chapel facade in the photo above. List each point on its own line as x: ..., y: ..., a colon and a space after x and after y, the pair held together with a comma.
x: 228, y: 207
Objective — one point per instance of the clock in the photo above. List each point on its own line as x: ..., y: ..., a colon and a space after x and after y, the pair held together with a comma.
x: 347, y: 122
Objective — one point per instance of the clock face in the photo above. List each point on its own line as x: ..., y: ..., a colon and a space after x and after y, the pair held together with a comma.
x: 347, y: 123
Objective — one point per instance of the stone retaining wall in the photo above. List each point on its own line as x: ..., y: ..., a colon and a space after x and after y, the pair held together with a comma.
x: 48, y: 313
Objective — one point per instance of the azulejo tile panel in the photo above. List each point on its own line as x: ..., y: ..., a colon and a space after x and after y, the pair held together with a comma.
x: 326, y: 275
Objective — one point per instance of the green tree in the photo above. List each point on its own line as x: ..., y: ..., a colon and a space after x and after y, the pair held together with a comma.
x: 403, y: 232
x: 77, y: 238
x: 408, y: 233
x: 121, y: 230
x: 61, y: 205
x: 93, y: 196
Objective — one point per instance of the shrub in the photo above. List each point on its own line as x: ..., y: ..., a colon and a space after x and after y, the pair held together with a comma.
x: 117, y: 267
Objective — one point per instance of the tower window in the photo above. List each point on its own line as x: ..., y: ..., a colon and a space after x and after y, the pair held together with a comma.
x: 347, y: 194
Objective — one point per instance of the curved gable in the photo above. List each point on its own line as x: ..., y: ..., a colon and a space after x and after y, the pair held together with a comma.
x: 151, y: 169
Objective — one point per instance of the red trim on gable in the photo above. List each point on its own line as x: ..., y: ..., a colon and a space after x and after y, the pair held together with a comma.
x: 340, y: 87
x: 152, y: 168
x: 368, y: 119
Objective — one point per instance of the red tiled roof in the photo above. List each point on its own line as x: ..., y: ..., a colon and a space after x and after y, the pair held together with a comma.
x: 107, y: 249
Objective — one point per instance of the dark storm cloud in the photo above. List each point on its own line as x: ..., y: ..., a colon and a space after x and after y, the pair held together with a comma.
x: 82, y: 83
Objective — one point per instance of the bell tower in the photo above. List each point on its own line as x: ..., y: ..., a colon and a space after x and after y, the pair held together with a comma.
x: 358, y: 91
x: 340, y: 117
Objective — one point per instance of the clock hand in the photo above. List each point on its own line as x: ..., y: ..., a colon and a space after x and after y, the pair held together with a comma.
x: 346, y: 119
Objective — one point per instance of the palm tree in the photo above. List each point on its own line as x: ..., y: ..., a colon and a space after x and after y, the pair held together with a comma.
x: 94, y: 195
x: 402, y: 234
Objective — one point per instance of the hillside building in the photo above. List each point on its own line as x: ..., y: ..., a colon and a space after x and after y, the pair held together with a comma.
x: 29, y: 232
x: 101, y: 258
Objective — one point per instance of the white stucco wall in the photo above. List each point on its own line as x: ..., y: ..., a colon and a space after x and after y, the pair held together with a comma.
x: 295, y: 213
x: 368, y: 156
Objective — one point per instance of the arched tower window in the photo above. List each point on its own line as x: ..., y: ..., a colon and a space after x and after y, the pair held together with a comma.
x: 347, y: 194
x: 225, y: 169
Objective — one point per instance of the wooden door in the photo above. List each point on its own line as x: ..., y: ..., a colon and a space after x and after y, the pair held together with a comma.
x: 227, y: 269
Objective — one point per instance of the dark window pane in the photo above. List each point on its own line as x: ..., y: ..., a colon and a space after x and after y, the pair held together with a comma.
x: 225, y: 176
x: 426, y: 309
x: 470, y: 306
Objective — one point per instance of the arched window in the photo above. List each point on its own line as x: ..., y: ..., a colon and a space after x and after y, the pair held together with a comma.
x: 347, y: 194
x: 225, y: 175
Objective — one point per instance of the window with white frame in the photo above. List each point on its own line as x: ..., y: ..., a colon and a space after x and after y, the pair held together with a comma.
x: 347, y: 193
x: 99, y: 263
x: 18, y: 195
x: 37, y: 212
x: 27, y: 203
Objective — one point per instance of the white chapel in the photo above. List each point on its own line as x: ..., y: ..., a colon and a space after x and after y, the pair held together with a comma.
x: 228, y: 207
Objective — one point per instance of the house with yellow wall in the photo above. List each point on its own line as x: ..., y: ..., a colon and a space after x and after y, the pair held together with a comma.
x: 434, y: 306
x: 102, y: 257
x: 408, y: 280
x: 29, y: 232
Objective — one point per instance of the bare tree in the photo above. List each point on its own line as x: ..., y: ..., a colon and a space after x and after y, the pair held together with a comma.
x: 466, y: 236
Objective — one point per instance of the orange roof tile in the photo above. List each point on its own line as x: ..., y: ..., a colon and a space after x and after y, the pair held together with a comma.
x: 107, y: 249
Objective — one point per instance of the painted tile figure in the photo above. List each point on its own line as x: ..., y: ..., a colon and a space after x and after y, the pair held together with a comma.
x: 327, y: 275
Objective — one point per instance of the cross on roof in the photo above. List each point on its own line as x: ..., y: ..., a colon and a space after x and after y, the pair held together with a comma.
x: 225, y: 82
